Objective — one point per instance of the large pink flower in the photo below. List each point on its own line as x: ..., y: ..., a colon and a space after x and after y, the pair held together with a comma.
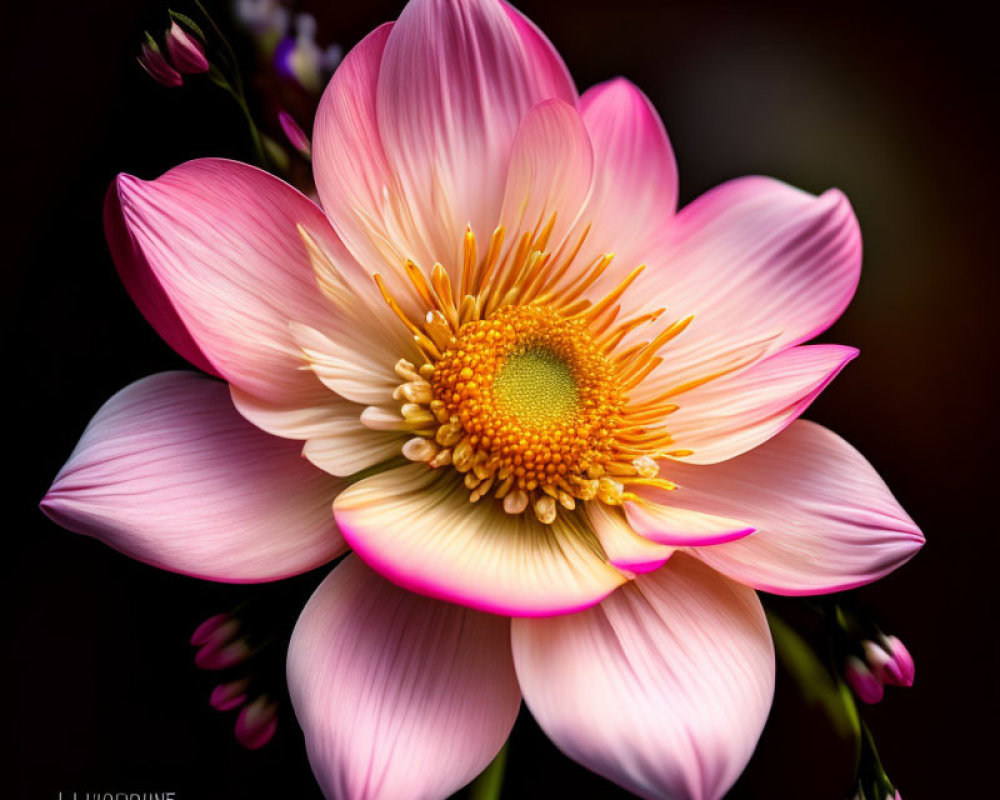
x: 541, y: 428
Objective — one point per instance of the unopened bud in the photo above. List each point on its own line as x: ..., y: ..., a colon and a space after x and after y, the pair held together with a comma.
x: 220, y: 649
x: 889, y: 660
x: 862, y: 680
x: 257, y: 722
x: 227, y: 696
x: 295, y: 135
x: 215, y: 657
x: 185, y: 51
x: 900, y: 670
x: 159, y: 69
x: 208, y: 631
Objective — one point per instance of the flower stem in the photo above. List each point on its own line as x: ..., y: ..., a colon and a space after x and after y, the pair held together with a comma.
x: 234, y: 88
x: 487, y: 786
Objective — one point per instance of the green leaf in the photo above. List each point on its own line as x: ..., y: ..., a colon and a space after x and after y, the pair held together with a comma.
x: 186, y: 22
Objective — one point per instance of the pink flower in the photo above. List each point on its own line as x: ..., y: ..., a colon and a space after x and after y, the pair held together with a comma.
x: 567, y: 444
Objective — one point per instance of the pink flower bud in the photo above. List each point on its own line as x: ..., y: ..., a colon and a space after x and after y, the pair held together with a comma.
x: 157, y: 66
x: 900, y: 670
x: 206, y: 632
x: 213, y: 656
x: 227, y: 696
x: 257, y: 722
x: 185, y: 51
x: 866, y: 686
x: 295, y: 135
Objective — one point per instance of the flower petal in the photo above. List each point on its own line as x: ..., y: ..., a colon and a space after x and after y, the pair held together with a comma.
x: 663, y: 688
x: 825, y: 520
x: 336, y: 441
x: 661, y: 522
x: 143, y: 287
x: 365, y: 377
x: 734, y: 413
x: 219, y: 239
x: 398, y: 695
x: 551, y: 166
x: 752, y: 257
x: 355, y: 183
x: 635, y: 174
x: 417, y: 527
x: 624, y: 547
x: 457, y: 77
x: 169, y: 473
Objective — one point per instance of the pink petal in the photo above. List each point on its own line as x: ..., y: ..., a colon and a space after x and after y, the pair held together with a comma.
x: 659, y: 521
x: 663, y: 688
x: 213, y: 244
x: 167, y: 472
x: 635, y: 174
x: 143, y: 287
x: 751, y: 258
x: 624, y: 547
x: 551, y: 165
x: 457, y: 77
x: 336, y: 441
x: 825, y: 520
x: 358, y: 189
x: 398, y: 695
x: 417, y: 527
x: 732, y: 414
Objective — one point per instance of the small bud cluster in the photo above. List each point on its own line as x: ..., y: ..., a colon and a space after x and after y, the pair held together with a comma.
x: 882, y: 661
x: 221, y: 647
x: 185, y: 54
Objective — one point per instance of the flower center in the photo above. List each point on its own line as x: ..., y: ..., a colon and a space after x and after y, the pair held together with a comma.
x: 536, y: 387
x: 524, y: 386
x: 531, y: 395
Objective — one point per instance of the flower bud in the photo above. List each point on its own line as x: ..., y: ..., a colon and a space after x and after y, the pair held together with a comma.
x: 900, y: 670
x: 159, y: 69
x: 889, y: 660
x: 227, y: 696
x: 295, y: 135
x: 209, y: 630
x: 213, y: 657
x: 220, y: 649
x: 862, y: 680
x: 185, y: 51
x: 257, y: 722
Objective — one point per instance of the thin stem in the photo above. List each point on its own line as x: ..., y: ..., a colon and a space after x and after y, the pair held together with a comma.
x: 490, y: 781
x: 236, y: 87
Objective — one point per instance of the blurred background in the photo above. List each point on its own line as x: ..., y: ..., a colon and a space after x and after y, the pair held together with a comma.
x: 895, y: 103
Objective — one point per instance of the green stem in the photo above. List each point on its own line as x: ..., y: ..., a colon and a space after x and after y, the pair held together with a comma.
x: 235, y: 88
x: 490, y: 781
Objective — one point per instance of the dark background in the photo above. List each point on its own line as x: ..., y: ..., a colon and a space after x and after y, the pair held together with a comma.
x: 893, y: 102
